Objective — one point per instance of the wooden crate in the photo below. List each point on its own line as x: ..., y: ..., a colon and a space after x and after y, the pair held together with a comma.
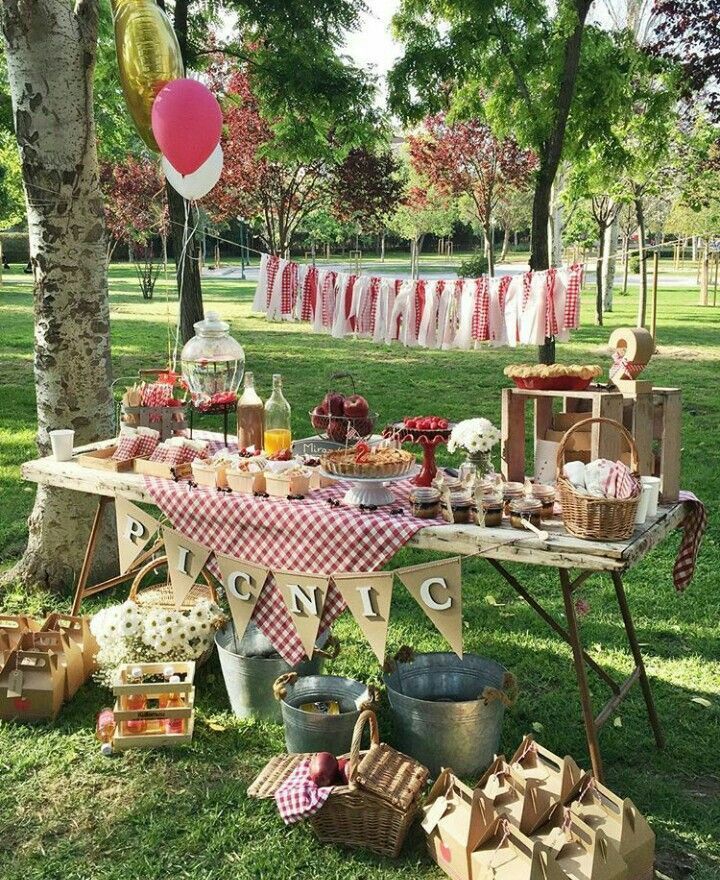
x: 168, y: 420
x: 155, y: 736
x: 162, y: 469
x: 102, y: 459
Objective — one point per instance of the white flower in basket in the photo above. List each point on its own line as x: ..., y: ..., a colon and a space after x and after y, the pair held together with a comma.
x: 130, y: 633
x: 474, y: 436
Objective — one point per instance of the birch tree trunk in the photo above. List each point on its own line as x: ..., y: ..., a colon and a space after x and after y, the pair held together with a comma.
x: 50, y: 50
x: 609, y: 262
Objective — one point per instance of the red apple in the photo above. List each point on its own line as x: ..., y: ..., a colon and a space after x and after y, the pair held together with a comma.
x: 343, y: 770
x: 319, y: 417
x: 323, y: 769
x: 337, y: 430
x: 356, y: 407
x: 334, y: 403
x: 363, y: 426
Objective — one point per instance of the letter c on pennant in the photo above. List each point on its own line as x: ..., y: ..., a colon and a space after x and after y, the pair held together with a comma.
x: 232, y: 582
x: 427, y: 596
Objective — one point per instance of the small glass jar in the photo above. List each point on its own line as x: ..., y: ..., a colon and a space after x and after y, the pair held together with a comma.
x: 493, y: 510
x: 546, y: 496
x: 425, y: 502
x: 512, y: 491
x: 461, y: 505
x: 452, y: 484
x: 525, y: 508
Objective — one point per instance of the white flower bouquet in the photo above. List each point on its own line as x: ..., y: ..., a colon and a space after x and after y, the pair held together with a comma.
x: 130, y: 632
x: 474, y: 436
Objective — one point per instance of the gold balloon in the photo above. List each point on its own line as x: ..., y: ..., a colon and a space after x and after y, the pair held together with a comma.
x: 148, y: 56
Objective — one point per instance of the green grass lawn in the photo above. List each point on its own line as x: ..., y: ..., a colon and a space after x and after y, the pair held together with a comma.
x: 67, y: 812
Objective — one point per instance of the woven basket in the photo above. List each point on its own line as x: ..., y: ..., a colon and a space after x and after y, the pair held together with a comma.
x: 598, y: 519
x: 375, y: 810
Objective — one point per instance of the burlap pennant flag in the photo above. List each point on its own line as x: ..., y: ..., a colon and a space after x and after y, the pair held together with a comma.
x: 243, y: 582
x: 368, y: 596
x: 304, y: 595
x: 135, y: 530
x: 186, y: 559
x: 437, y: 588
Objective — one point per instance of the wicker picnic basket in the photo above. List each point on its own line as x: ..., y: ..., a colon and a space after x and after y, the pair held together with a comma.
x: 375, y: 810
x: 599, y: 519
x: 161, y: 595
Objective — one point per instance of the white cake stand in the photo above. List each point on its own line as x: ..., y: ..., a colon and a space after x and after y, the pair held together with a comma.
x: 370, y: 492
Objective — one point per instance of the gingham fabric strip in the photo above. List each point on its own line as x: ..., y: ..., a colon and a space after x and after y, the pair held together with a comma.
x: 693, y: 527
x: 481, y: 311
x: 551, y: 325
x: 298, y: 797
x: 309, y: 535
x: 420, y: 293
x: 272, y: 268
x: 572, y: 298
x: 374, y: 293
x: 309, y: 295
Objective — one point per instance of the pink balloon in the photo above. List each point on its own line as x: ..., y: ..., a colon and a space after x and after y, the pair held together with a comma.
x: 187, y: 123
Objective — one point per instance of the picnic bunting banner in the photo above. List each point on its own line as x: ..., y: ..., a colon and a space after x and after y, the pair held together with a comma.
x: 437, y: 588
x: 135, y: 530
x: 243, y: 582
x: 304, y: 596
x: 368, y: 596
x: 186, y: 559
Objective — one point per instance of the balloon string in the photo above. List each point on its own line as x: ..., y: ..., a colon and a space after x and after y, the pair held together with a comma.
x: 187, y: 237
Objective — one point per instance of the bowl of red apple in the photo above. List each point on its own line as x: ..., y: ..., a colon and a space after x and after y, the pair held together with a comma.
x: 341, y: 418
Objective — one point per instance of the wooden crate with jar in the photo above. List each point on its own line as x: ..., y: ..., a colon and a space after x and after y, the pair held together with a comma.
x: 154, y: 705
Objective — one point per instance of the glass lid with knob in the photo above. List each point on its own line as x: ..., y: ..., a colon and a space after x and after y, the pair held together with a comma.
x: 213, y: 363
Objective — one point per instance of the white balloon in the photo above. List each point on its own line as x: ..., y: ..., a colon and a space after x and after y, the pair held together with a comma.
x: 200, y: 182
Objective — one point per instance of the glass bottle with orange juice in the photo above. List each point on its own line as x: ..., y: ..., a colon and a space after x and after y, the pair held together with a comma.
x: 278, y: 435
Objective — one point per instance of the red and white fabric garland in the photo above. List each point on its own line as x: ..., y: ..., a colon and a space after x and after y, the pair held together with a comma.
x: 463, y: 313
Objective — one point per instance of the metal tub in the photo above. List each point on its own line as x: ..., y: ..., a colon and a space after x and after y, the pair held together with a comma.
x: 448, y: 712
x: 316, y: 732
x: 249, y: 679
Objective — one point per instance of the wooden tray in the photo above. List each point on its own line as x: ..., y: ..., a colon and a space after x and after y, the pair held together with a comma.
x: 162, y: 469
x: 102, y: 459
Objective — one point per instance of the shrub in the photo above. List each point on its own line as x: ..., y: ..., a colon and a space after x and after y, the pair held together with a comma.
x: 15, y: 247
x: 634, y: 263
x: 473, y: 267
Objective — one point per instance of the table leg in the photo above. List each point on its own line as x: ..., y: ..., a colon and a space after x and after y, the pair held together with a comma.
x: 103, y: 501
x: 579, y: 661
x: 637, y: 655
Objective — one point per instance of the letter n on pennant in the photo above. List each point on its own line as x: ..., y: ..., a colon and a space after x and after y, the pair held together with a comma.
x: 304, y: 595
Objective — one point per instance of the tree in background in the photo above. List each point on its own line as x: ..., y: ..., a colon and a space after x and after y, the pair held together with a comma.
x: 465, y: 159
x: 365, y: 188
x: 423, y: 211
x: 275, y: 173
x: 513, y: 214
x: 50, y: 50
x: 12, y: 202
x: 321, y: 227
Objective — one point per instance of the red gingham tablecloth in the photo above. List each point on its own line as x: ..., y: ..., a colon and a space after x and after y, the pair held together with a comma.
x: 308, y: 535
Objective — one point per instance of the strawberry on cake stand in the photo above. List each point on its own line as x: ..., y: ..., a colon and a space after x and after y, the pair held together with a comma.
x: 428, y: 432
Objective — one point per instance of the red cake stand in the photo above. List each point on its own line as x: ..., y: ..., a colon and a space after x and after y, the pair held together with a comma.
x: 428, y: 440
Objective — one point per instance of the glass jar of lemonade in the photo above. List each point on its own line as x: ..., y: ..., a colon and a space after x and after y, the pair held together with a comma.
x: 278, y: 435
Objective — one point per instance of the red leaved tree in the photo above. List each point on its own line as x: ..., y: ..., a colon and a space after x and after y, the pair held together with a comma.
x: 465, y: 159
x: 365, y: 190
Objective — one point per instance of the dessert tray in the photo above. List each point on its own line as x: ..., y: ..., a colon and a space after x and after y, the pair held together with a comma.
x: 370, y: 491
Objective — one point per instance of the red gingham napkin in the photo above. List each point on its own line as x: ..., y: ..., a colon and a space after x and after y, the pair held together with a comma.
x: 147, y: 444
x: 620, y: 483
x: 298, y: 797
x: 481, y: 312
x: 308, y: 535
x: 572, y: 297
x: 127, y: 447
x: 693, y: 527
x: 309, y: 297
x: 551, y: 327
x: 289, y: 288
x: 157, y: 394
x: 272, y: 268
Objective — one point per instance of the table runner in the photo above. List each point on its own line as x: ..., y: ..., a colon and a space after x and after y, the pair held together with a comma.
x: 308, y: 535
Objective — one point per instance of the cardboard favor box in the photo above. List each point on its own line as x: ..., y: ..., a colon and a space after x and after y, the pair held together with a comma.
x: 561, y: 777
x: 624, y: 825
x: 70, y: 659
x: 14, y: 625
x: 32, y: 683
x: 78, y: 631
x: 524, y: 802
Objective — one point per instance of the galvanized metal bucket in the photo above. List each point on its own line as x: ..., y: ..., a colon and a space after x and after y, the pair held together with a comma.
x: 448, y: 712
x: 315, y: 731
x: 249, y: 679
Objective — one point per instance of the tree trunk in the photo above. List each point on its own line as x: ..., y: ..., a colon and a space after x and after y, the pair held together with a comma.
x: 642, y: 299
x: 704, y: 273
x: 382, y: 246
x: 489, y: 249
x: 50, y: 51
x: 505, y: 245
x: 626, y: 262
x: 609, y: 260
x: 187, y: 263
x: 556, y: 225
x: 599, y: 275
x: 550, y: 155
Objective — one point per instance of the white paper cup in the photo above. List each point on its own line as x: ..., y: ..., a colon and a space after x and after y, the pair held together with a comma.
x: 642, y: 508
x: 62, y: 443
x: 654, y: 483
